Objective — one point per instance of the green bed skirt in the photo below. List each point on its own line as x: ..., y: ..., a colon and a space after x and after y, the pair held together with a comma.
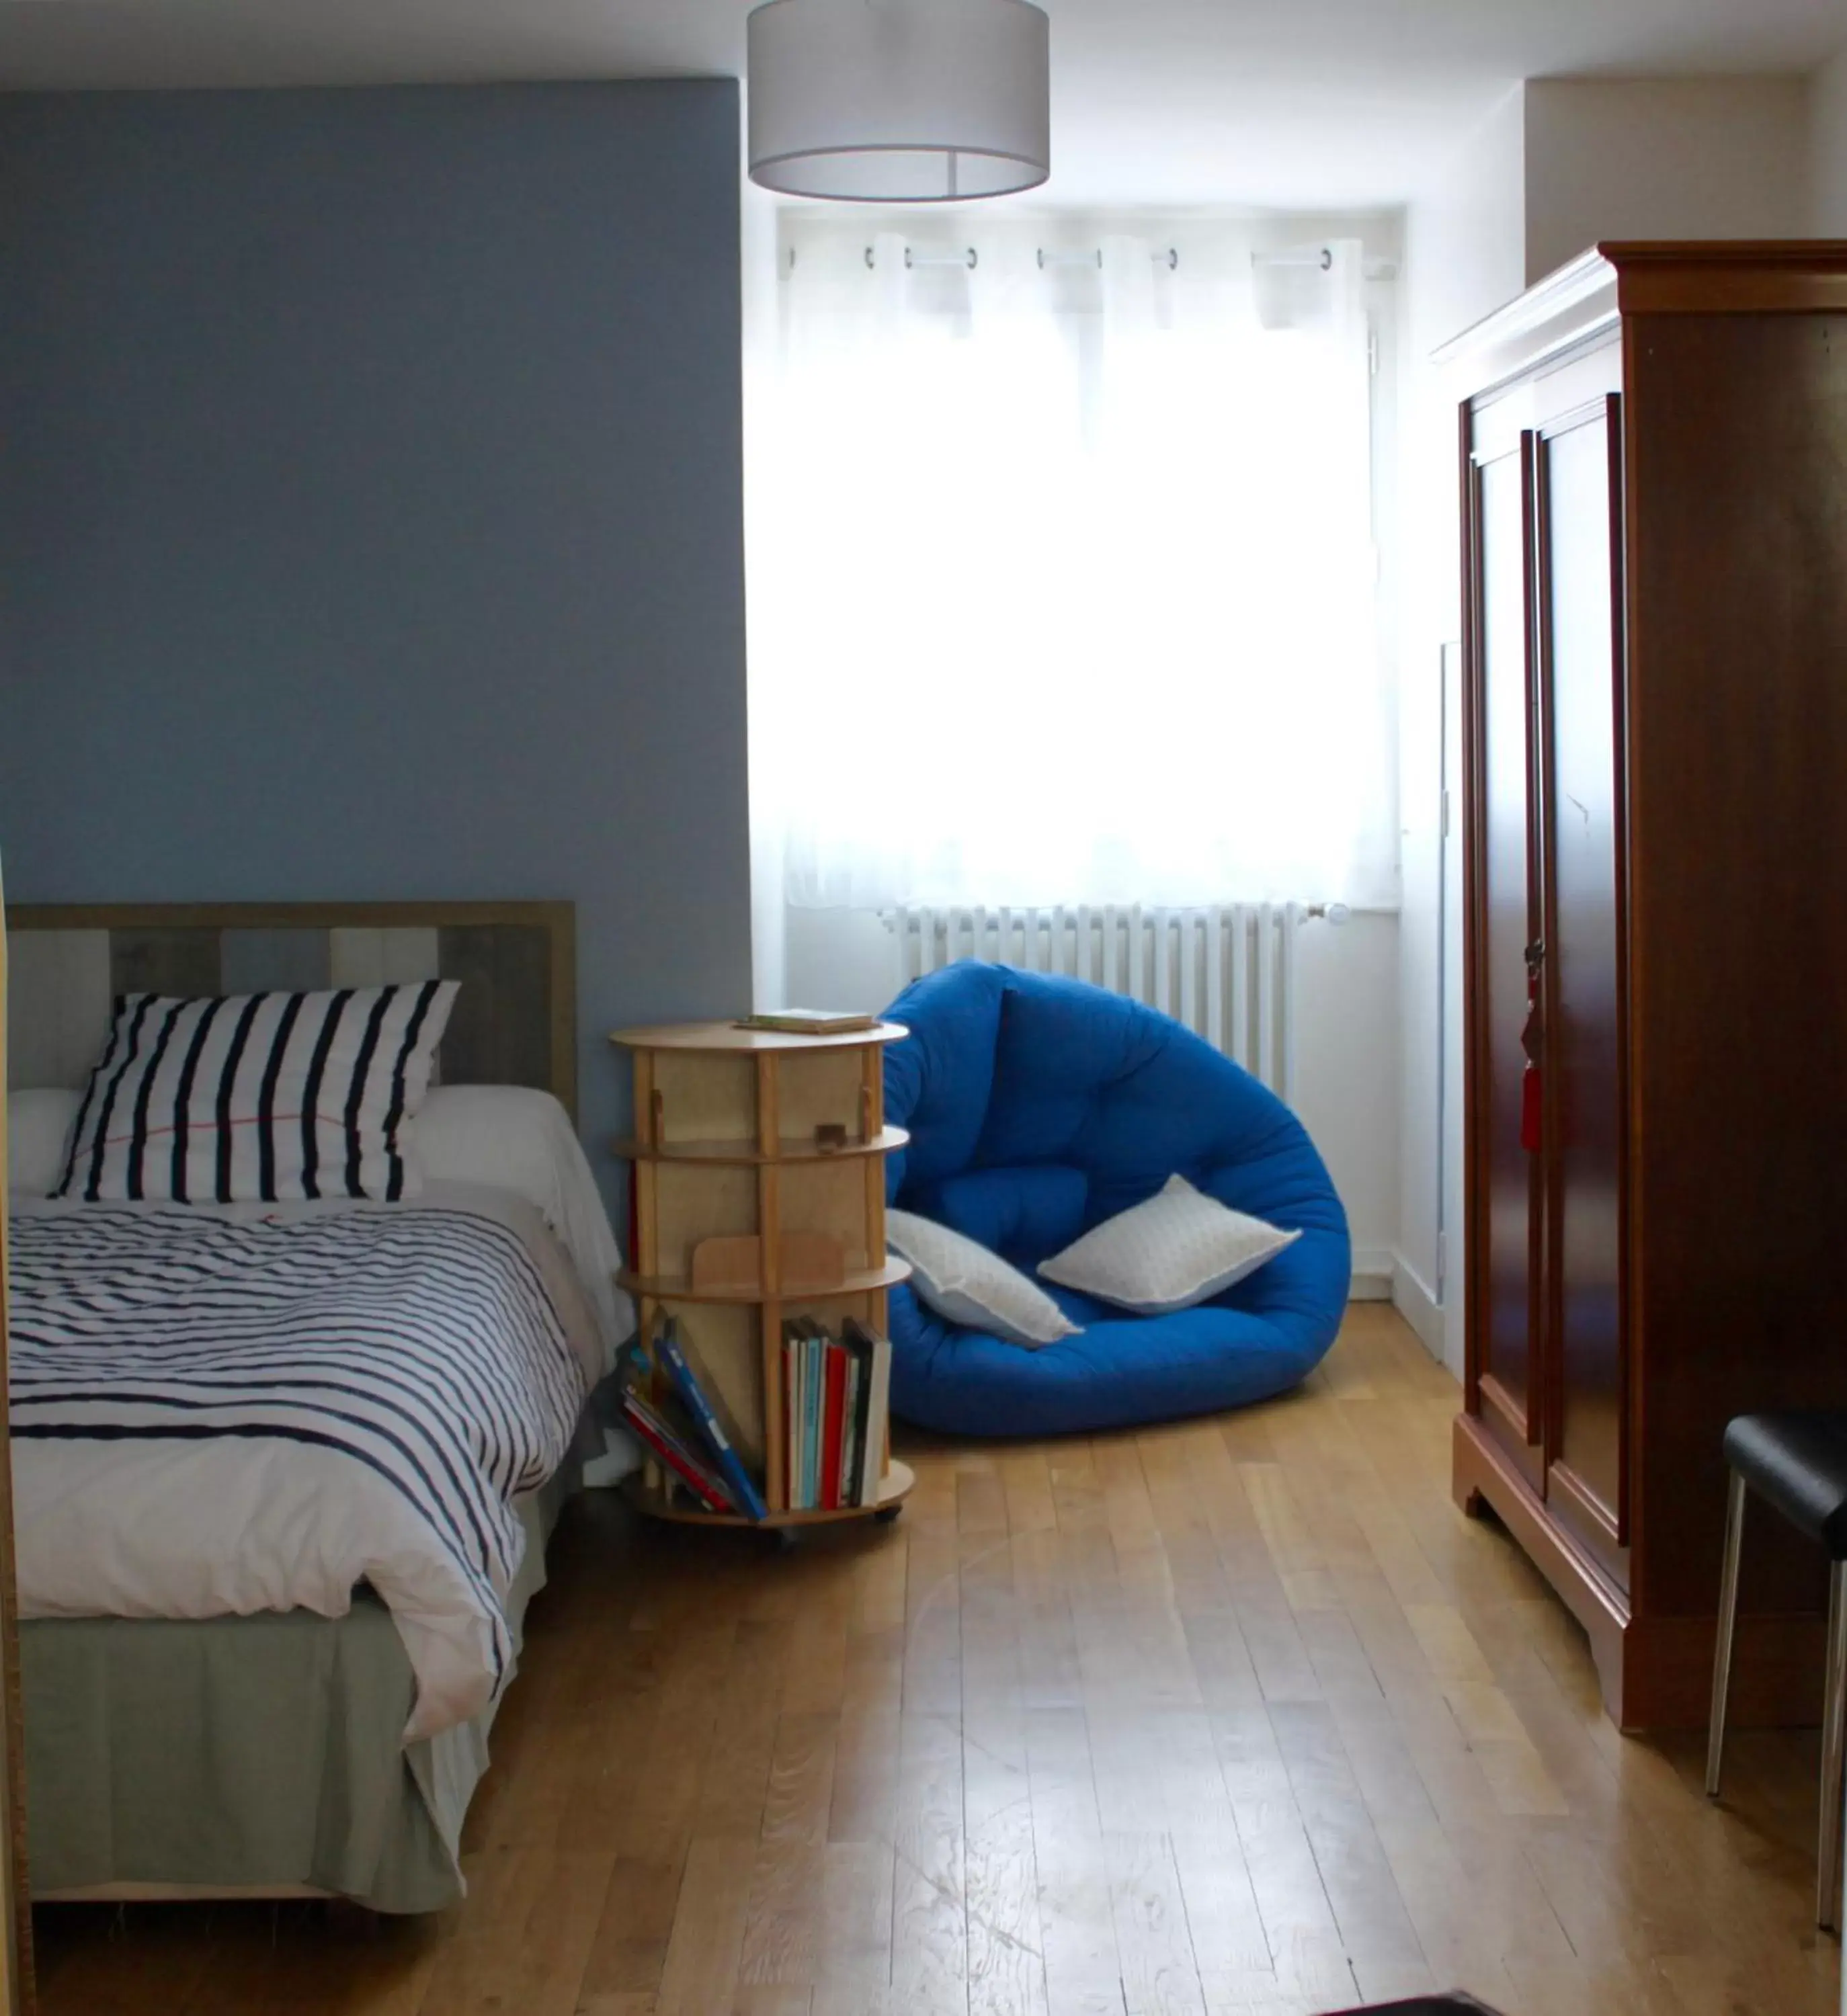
x: 260, y: 1753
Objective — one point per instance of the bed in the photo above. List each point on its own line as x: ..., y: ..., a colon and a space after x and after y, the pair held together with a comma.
x: 330, y: 1747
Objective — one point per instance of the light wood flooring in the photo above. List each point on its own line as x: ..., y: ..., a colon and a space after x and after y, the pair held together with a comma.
x: 1235, y: 1716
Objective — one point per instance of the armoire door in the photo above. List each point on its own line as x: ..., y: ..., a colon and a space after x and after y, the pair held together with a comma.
x: 1505, y: 1214
x: 1578, y: 494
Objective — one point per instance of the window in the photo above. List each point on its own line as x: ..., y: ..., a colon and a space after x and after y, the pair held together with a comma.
x: 1069, y: 562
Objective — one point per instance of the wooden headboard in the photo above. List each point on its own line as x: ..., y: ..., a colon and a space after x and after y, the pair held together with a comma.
x: 515, y: 1019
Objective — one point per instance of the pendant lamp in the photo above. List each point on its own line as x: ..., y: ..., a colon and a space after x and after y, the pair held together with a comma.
x: 900, y: 101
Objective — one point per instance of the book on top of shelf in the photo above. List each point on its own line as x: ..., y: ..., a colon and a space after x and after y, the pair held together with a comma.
x: 808, y: 1022
x: 741, y: 1485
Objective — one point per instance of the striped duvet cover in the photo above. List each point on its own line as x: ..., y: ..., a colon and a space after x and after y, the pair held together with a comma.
x: 227, y: 1410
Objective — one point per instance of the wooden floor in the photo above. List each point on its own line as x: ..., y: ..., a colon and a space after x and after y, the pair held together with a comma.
x: 1237, y: 1716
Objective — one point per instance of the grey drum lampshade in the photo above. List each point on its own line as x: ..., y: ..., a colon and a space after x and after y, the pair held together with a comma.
x: 900, y: 101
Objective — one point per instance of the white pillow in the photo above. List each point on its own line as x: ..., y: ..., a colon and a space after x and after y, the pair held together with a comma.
x: 38, y: 1127
x: 966, y: 1283
x: 1179, y: 1248
x: 513, y: 1137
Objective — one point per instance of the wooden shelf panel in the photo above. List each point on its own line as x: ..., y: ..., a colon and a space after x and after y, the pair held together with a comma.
x: 671, y: 1288
x: 748, y: 1154
x: 726, y: 1036
x: 893, y: 1490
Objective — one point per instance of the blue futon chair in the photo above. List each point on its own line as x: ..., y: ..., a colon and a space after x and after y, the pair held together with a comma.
x: 1037, y: 1107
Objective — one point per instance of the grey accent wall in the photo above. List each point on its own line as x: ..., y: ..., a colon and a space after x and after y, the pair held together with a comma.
x: 370, y: 513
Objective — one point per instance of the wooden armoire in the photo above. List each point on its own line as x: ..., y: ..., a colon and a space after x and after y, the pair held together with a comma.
x: 1654, y: 505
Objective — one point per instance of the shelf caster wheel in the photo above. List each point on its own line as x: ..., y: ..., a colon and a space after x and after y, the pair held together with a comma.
x: 887, y: 1514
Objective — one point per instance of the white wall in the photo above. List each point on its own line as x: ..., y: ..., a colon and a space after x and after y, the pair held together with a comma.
x: 1708, y: 158
x: 1465, y: 235
x: 1828, y: 150
x: 1464, y: 255
x: 1346, y: 1039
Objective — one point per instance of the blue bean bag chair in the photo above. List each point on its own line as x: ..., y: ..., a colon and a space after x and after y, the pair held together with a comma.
x: 1037, y: 1107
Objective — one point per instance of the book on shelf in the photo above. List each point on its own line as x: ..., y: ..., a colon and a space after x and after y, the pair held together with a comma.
x: 832, y: 1421
x: 874, y: 1353
x: 836, y: 1405
x: 851, y: 1428
x: 808, y: 1022
x: 791, y: 1415
x: 675, y: 1454
x: 812, y: 1391
x: 804, y: 1344
x: 741, y: 1486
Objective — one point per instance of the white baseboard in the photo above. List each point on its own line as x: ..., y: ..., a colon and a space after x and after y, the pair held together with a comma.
x: 1415, y: 1299
x: 1372, y: 1274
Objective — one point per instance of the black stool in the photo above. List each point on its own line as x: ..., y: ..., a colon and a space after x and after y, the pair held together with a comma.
x: 1798, y: 1462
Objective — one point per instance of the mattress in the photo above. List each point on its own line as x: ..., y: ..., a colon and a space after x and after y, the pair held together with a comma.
x: 228, y: 1410
x: 182, y: 1753
x: 262, y: 1756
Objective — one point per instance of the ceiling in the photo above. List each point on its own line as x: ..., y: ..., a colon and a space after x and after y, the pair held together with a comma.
x: 1295, y: 103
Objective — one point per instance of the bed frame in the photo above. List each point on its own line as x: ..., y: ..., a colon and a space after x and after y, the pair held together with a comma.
x: 514, y: 1023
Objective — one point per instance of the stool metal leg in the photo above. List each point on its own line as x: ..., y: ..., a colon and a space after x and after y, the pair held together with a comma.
x: 1834, y: 1755
x: 1728, y: 1628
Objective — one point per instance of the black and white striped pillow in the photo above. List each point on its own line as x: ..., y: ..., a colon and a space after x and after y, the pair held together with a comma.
x: 258, y: 1097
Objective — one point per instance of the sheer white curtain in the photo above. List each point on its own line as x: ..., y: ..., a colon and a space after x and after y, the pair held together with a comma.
x: 1070, y: 575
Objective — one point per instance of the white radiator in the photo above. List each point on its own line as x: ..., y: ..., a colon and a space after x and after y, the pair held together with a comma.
x: 1228, y: 973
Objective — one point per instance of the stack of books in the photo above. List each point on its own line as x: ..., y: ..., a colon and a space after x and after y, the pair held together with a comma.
x: 837, y: 1393
x: 676, y: 1422
x: 836, y: 1405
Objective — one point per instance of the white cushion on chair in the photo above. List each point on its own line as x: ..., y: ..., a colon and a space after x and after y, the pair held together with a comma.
x: 962, y: 1280
x: 1179, y: 1248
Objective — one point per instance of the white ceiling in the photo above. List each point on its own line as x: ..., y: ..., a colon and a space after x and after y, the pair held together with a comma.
x: 1297, y: 103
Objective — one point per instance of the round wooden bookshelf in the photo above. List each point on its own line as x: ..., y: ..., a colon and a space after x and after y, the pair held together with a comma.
x: 759, y: 1188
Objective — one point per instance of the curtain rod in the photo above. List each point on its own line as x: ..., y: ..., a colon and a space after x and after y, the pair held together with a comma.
x: 971, y: 259
x: 1322, y: 261
x: 1170, y: 258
